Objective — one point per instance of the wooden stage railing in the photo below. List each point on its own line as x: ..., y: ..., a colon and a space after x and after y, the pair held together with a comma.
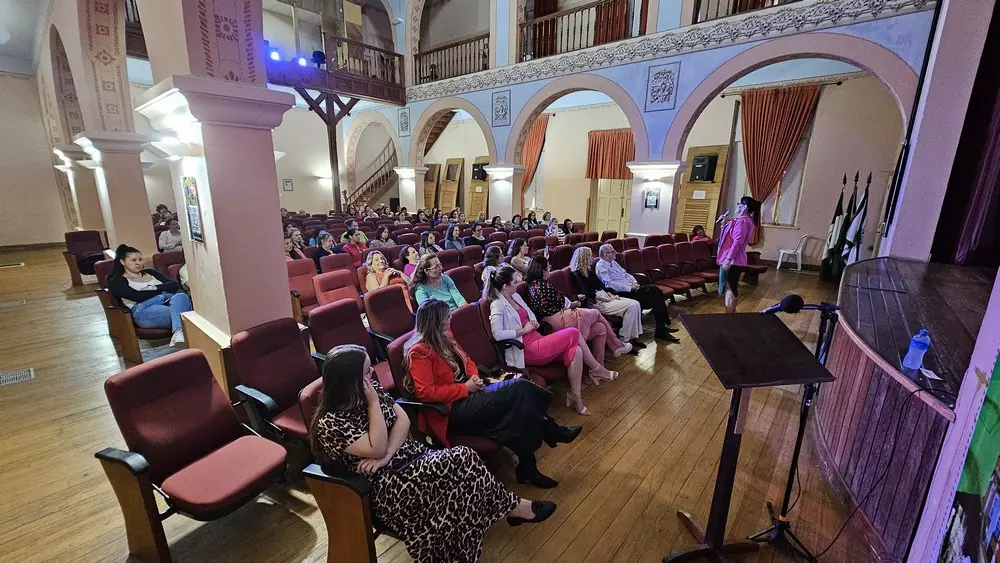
x: 454, y: 59
x: 705, y: 10
x: 573, y: 29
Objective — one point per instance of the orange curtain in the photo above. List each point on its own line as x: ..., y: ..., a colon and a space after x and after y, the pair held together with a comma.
x: 773, y: 121
x: 531, y: 153
x: 607, y: 153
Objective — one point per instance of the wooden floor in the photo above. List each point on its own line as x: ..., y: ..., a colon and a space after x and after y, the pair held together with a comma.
x: 650, y: 448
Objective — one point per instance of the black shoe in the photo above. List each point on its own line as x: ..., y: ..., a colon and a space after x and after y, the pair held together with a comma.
x: 637, y: 344
x: 555, y: 434
x: 666, y: 337
x: 542, y: 509
x: 527, y: 472
x: 672, y: 330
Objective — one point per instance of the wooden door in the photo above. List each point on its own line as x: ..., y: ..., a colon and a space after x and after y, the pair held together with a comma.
x: 479, y: 190
x: 612, y: 209
x: 431, y: 179
x: 451, y: 183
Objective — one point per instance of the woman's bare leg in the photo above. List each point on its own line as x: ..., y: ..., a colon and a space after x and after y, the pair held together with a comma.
x: 731, y: 301
x: 574, y: 398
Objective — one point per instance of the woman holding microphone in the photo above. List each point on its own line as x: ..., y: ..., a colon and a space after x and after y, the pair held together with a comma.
x: 732, y: 256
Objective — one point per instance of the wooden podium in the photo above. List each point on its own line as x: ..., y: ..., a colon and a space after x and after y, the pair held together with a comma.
x: 745, y: 350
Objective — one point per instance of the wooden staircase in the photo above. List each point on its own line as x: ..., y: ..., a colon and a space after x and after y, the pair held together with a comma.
x: 381, y: 178
x: 439, y: 126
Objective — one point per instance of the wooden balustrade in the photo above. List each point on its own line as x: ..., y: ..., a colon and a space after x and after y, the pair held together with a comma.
x: 577, y: 28
x: 453, y: 59
x: 357, y: 58
x: 706, y: 10
x: 379, y: 175
x: 131, y: 11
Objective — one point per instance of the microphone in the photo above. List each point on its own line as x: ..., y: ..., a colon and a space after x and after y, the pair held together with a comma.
x: 721, y: 217
x: 788, y: 304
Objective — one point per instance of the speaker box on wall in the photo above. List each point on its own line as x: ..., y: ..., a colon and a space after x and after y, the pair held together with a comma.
x: 703, y: 168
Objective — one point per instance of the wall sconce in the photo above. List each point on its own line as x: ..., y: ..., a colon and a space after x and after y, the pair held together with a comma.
x: 500, y: 172
x: 656, y: 178
x: 405, y: 173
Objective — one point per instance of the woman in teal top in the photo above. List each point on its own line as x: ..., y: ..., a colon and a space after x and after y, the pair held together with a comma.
x: 429, y: 282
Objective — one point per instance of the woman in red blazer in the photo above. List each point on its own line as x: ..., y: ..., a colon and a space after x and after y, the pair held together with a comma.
x: 510, y: 412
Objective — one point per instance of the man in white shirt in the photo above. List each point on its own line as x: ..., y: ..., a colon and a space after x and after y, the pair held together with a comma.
x: 171, y: 238
x: 622, y: 283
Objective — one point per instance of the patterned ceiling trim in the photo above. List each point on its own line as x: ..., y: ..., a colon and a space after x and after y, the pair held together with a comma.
x: 827, y: 79
x: 785, y: 20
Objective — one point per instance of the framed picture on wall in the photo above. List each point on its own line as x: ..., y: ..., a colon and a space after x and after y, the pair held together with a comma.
x: 652, y: 199
x: 286, y: 185
x: 193, y: 207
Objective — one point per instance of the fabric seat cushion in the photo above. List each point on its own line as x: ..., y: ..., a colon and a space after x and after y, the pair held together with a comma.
x: 291, y: 422
x: 152, y: 333
x: 225, y: 479
x: 384, y: 375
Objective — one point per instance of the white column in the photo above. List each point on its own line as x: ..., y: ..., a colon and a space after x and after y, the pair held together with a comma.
x: 505, y: 189
x: 82, y: 184
x: 122, y: 187
x: 411, y: 187
x: 653, y: 178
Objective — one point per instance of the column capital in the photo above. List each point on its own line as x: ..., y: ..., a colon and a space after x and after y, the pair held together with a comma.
x: 182, y: 100
x: 655, y: 169
x: 500, y: 171
x: 70, y: 153
x: 410, y: 171
x: 97, y: 142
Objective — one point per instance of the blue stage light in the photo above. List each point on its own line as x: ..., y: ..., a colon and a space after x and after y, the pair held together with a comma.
x: 303, y: 61
x: 274, y: 55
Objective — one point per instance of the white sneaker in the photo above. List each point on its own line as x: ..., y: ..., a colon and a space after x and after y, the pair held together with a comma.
x: 624, y: 349
x: 177, y: 338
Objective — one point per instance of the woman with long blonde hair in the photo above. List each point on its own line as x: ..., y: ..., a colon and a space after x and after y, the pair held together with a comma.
x: 509, y: 412
x: 596, y: 296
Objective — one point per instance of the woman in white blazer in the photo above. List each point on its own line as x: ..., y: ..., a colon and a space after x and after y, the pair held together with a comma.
x: 512, y: 319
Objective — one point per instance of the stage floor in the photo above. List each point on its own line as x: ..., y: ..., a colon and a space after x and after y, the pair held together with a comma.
x: 649, y: 448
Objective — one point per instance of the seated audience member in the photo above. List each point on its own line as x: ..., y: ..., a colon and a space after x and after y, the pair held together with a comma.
x: 326, y: 248
x: 380, y: 274
x: 597, y: 297
x: 497, y: 224
x: 352, y: 211
x: 698, y: 234
x: 462, y: 218
x: 546, y: 217
x: 452, y: 240
x: 171, y: 238
x: 155, y: 300
x: 518, y: 253
x: 430, y: 282
x: 533, y: 221
x: 515, y: 223
x: 291, y: 252
x: 421, y: 216
x: 481, y: 218
x: 428, y: 243
x: 550, y: 305
x: 552, y: 230
x: 526, y: 224
x: 402, y: 219
x: 297, y: 239
x: 160, y: 208
x: 183, y: 278
x: 511, y: 412
x: 454, y: 215
x: 567, y: 229
x: 439, y: 502
x: 352, y: 224
x: 284, y: 212
x: 491, y: 261
x: 512, y: 319
x: 477, y: 238
x: 354, y: 246
x: 381, y: 238
x: 616, y: 279
x: 165, y: 215
x: 409, y: 256
x: 438, y: 218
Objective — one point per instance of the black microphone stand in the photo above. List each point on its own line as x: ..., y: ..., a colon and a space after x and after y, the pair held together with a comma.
x: 779, y: 533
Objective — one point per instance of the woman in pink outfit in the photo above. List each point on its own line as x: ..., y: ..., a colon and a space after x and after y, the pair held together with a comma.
x: 732, y: 257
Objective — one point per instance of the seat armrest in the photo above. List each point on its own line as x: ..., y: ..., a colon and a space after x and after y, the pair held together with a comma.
x: 320, y: 359
x: 355, y: 482
x: 296, y: 294
x: 135, y: 463
x: 267, y: 405
x: 381, y: 342
x: 437, y: 407
x: 509, y: 343
x: 115, y: 302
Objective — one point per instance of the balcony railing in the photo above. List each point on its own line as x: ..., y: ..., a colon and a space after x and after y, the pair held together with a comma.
x: 454, y: 59
x: 135, y: 42
x: 705, y: 10
x: 364, y: 60
x: 577, y: 28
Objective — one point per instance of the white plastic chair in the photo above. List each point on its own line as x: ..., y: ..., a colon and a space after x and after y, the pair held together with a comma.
x: 796, y: 252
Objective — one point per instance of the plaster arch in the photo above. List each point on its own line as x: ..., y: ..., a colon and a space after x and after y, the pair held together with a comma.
x: 357, y: 128
x: 886, y: 66
x: 574, y: 83
x: 435, y: 111
x: 67, y: 100
x: 414, y: 16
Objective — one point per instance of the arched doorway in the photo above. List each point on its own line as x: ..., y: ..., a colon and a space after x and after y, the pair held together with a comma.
x: 854, y: 126
x: 373, y: 152
x: 446, y: 38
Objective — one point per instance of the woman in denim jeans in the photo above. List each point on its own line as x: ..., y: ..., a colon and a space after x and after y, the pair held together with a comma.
x: 155, y: 300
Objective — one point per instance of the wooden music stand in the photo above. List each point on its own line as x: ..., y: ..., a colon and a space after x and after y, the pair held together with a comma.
x: 745, y: 350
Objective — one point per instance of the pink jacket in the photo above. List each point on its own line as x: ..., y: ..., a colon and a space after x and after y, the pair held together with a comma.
x: 733, y: 241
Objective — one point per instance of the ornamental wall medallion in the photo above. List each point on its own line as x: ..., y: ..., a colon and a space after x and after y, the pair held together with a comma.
x: 404, y: 122
x: 501, y: 108
x: 661, y: 86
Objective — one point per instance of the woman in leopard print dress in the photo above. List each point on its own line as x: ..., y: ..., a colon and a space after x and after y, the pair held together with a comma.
x: 439, y: 502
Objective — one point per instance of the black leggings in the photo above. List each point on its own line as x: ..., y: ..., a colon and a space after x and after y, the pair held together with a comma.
x: 511, y: 413
x: 733, y: 278
x: 651, y: 298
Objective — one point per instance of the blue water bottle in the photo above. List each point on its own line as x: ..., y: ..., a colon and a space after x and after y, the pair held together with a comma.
x: 918, y: 347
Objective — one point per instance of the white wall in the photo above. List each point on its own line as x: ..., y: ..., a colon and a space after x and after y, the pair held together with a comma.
x: 375, y: 26
x: 302, y: 137
x: 373, y: 140
x: 857, y: 126
x: 461, y: 139
x: 445, y: 21
x: 30, y: 208
x: 560, y: 182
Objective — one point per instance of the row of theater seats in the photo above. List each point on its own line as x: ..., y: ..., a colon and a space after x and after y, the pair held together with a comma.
x: 212, y: 464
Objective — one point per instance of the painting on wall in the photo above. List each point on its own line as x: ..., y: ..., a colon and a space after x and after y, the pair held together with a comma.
x: 501, y: 108
x: 287, y: 185
x: 661, y: 86
x: 193, y: 206
x: 404, y: 122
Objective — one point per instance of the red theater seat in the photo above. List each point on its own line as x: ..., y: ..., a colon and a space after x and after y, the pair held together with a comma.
x: 574, y: 239
x: 631, y: 243
x: 300, y: 275
x: 83, y: 250
x: 340, y: 323
x: 184, y: 437
x: 670, y: 265
x: 685, y: 257
x: 336, y: 285
x: 498, y: 237
x: 163, y: 260
x: 560, y: 256
x: 449, y: 259
x: 608, y: 235
x: 388, y: 314
x: 121, y: 328
x: 660, y: 276
x: 472, y: 255
x: 465, y: 280
x: 535, y: 244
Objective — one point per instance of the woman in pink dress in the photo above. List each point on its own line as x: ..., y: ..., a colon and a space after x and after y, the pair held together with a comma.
x: 732, y: 257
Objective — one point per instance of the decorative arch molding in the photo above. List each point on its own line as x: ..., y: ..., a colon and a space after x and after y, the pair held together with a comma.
x: 358, y: 126
x: 67, y: 101
x: 882, y: 63
x: 103, y: 36
x: 574, y: 83
x: 430, y: 116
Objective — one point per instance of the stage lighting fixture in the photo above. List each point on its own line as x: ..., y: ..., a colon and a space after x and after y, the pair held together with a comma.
x: 319, y: 58
x: 302, y: 61
x: 274, y: 55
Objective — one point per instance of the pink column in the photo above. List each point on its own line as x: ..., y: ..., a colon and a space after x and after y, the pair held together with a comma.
x: 961, y: 33
x: 225, y: 156
x: 82, y: 184
x: 121, y: 187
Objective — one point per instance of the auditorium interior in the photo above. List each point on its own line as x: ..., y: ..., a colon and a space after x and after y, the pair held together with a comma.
x: 209, y: 205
